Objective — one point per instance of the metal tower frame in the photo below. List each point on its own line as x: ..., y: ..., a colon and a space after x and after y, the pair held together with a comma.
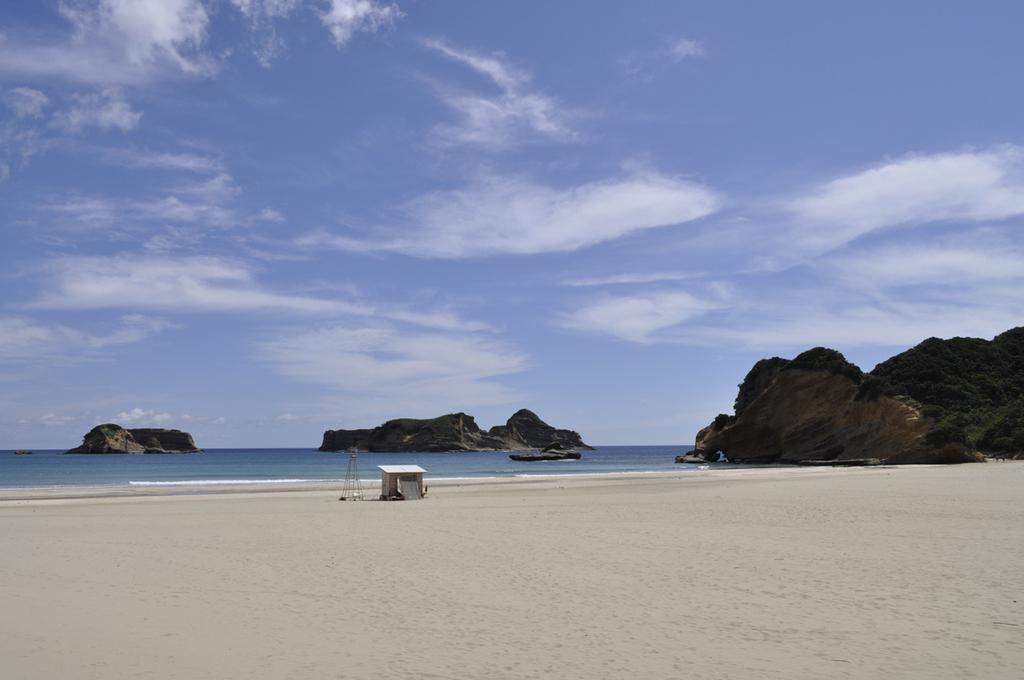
x: 353, y: 488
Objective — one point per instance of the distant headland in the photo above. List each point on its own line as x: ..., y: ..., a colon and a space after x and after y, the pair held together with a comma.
x: 453, y: 432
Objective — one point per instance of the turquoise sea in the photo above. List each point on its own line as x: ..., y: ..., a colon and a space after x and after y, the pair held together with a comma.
x: 276, y: 466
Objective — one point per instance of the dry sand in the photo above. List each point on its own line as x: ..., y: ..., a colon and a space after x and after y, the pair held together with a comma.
x: 874, y: 573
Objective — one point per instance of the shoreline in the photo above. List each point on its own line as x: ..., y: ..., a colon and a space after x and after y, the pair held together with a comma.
x: 199, y: 488
x: 774, y: 573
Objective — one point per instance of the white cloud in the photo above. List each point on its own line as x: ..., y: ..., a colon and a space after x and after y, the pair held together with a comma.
x: 126, y: 216
x: 26, y: 102
x: 630, y: 279
x: 638, y: 318
x: 888, y: 295
x: 645, y: 63
x: 261, y: 15
x: 266, y: 8
x: 148, y: 29
x: 497, y: 122
x: 177, y: 284
x: 204, y: 201
x: 970, y: 186
x: 344, y: 18
x: 270, y: 215
x: 515, y: 216
x: 867, y: 324
x: 380, y: 365
x: 684, y: 48
x: 105, y: 110
x: 117, y: 41
x: 206, y: 284
x: 939, y: 265
x: 139, y: 158
x: 138, y: 416
x: 23, y: 339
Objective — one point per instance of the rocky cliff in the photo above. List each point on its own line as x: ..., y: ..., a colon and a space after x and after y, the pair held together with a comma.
x: 158, y: 440
x: 111, y: 438
x: 527, y: 428
x: 821, y: 407
x: 452, y: 432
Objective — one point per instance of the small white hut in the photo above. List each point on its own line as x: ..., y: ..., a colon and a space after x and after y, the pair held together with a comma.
x: 401, y: 482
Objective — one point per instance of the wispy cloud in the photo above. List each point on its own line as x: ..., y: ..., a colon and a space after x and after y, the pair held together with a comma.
x: 630, y: 279
x: 104, y: 110
x: 868, y: 324
x: 940, y: 265
x: 891, y: 294
x: 262, y: 15
x: 514, y: 115
x: 26, y: 102
x: 161, y: 160
x: 206, y: 197
x: 373, y: 369
x: 185, y: 284
x: 26, y: 340
x: 344, y: 18
x: 639, y: 317
x: 645, y: 64
x: 969, y: 186
x: 513, y: 216
x: 176, y: 284
x: 132, y: 215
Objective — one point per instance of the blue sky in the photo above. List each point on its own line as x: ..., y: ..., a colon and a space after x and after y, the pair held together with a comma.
x: 256, y: 219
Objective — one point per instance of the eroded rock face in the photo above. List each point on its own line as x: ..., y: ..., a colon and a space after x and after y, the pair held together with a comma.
x: 820, y: 407
x: 159, y: 440
x: 452, y: 432
x: 526, y: 427
x: 112, y: 438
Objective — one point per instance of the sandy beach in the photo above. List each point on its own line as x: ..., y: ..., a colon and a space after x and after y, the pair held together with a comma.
x: 887, y: 572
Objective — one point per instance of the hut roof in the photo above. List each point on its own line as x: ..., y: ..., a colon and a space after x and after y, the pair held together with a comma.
x: 400, y: 468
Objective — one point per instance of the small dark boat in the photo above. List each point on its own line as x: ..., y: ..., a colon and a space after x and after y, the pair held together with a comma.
x: 553, y: 451
x: 22, y: 452
x: 535, y: 457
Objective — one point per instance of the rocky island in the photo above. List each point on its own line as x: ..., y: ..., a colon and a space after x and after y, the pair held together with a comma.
x: 111, y: 438
x: 943, y: 401
x: 453, y: 432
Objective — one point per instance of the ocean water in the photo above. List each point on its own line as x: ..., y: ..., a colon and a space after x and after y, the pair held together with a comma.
x: 276, y: 466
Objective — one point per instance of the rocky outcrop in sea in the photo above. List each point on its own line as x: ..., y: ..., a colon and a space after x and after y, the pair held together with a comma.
x: 112, y: 438
x: 452, y: 432
x: 526, y: 427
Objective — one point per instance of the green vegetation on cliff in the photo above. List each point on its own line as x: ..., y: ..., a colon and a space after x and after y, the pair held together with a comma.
x: 972, y: 388
x: 828, y: 360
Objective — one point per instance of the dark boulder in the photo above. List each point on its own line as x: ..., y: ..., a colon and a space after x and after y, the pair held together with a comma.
x: 694, y: 457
